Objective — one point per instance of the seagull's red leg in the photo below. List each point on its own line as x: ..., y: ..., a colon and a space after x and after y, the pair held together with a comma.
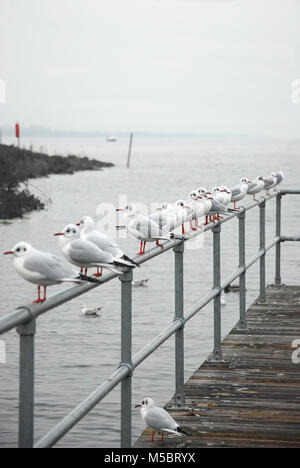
x: 191, y: 226
x: 39, y: 296
x: 141, y: 249
x: 254, y: 197
x: 159, y: 245
x: 182, y: 229
x: 151, y: 440
x: 45, y: 292
x: 99, y: 273
x: 162, y: 437
x: 144, y: 248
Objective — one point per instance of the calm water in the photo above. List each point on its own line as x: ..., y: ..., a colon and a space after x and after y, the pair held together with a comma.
x: 75, y: 354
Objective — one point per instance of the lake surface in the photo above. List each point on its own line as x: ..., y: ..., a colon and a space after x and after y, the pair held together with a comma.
x: 75, y: 354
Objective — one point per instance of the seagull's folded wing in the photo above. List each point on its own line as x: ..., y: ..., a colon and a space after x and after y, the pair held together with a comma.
x: 86, y: 253
x: 48, y: 266
x: 158, y: 419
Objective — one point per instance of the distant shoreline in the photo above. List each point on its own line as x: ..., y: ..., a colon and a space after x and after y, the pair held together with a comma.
x: 19, y: 165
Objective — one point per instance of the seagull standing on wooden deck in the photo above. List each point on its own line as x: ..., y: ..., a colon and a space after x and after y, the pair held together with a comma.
x: 158, y: 419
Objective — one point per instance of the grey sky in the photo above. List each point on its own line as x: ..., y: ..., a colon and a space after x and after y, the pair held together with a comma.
x: 156, y: 65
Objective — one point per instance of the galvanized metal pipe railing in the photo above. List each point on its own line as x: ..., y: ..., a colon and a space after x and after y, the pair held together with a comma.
x: 25, y: 318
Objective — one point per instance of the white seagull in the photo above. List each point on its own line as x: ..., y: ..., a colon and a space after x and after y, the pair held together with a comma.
x: 101, y: 240
x: 86, y: 254
x: 42, y: 268
x: 238, y: 192
x: 257, y: 185
x: 158, y: 419
x: 270, y: 182
x: 144, y: 228
x: 89, y: 312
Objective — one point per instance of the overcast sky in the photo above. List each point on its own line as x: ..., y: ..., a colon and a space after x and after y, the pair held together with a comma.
x: 204, y: 66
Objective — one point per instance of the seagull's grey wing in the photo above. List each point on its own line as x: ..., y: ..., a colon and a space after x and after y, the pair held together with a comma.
x: 159, y: 218
x: 48, y: 266
x: 150, y: 229
x: 158, y: 418
x: 105, y: 243
x: 217, y: 207
x: 235, y: 191
x: 86, y: 253
x: 251, y: 187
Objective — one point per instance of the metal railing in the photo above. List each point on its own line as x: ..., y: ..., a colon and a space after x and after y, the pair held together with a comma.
x: 24, y: 318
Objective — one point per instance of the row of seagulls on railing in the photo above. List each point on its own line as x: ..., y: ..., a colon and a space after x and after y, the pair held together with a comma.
x: 83, y: 246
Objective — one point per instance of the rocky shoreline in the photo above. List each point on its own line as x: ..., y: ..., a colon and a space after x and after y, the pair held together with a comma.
x: 19, y: 165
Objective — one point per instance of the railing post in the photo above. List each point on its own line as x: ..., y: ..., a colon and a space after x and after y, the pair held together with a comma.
x: 262, y: 245
x: 179, y: 335
x: 126, y: 357
x: 26, y: 384
x: 278, y: 245
x: 242, y: 264
x: 217, y: 352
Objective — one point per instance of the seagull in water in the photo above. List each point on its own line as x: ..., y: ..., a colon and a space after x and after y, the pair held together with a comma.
x: 86, y: 254
x: 89, y: 312
x: 43, y: 269
x: 144, y: 228
x: 158, y: 419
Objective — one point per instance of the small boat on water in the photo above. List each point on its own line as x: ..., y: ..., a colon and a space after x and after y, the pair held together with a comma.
x: 110, y: 138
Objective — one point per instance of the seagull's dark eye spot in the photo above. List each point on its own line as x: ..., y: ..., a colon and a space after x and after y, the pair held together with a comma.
x: 25, y: 249
x: 143, y: 402
x: 68, y: 230
x: 18, y: 250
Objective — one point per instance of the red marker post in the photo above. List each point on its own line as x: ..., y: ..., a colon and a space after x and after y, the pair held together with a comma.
x: 18, y: 133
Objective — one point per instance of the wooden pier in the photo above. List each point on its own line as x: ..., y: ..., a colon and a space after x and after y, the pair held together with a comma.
x: 252, y: 397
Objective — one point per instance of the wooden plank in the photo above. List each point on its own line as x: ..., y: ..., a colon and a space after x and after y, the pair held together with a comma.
x: 252, y: 398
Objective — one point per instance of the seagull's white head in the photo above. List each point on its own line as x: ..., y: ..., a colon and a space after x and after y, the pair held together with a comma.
x: 129, y: 210
x: 244, y: 180
x: 19, y: 250
x: 69, y: 232
x: 215, y: 189
x: 203, y: 192
x: 224, y: 188
x: 145, y: 403
x: 260, y: 178
x: 87, y: 224
x: 194, y: 195
x: 274, y: 174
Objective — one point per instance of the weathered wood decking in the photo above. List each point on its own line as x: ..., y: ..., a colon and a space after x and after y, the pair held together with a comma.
x: 252, y: 399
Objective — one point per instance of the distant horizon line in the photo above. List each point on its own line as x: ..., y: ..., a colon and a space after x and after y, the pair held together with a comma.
x: 40, y: 131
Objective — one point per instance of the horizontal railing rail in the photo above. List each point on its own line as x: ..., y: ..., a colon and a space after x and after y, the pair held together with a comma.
x: 24, y: 318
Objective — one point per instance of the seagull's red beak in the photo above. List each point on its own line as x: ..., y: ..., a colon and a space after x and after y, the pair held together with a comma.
x: 119, y: 209
x: 208, y: 193
x: 9, y: 252
x: 138, y: 406
x: 199, y: 196
x: 78, y: 224
x: 59, y: 234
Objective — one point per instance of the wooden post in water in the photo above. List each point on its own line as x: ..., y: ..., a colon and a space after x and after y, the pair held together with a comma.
x: 129, y: 150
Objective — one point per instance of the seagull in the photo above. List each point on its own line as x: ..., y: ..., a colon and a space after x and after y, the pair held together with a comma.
x: 104, y: 242
x: 89, y: 312
x: 270, y: 181
x: 158, y: 419
x: 142, y: 282
x: 239, y: 191
x: 183, y: 213
x: 43, y: 269
x: 165, y: 216
x: 86, y: 254
x: 197, y: 206
x: 256, y: 186
x: 144, y: 228
x: 279, y: 176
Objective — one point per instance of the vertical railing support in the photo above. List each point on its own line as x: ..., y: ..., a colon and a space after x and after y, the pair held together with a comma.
x: 126, y: 357
x: 179, y: 335
x: 26, y: 385
x: 242, y: 264
x: 262, y: 245
x: 217, y: 352
x: 278, y: 245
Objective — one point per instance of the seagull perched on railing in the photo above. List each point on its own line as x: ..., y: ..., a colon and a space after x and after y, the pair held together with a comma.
x: 144, y: 228
x: 86, y: 254
x: 101, y: 240
x: 256, y: 186
x: 43, y: 269
x: 158, y: 419
x: 270, y: 182
x: 279, y: 176
x: 238, y: 192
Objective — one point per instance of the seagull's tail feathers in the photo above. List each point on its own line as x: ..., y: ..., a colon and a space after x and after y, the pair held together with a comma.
x: 84, y: 278
x: 128, y: 259
x: 120, y: 263
x: 176, y: 236
x: 181, y: 431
